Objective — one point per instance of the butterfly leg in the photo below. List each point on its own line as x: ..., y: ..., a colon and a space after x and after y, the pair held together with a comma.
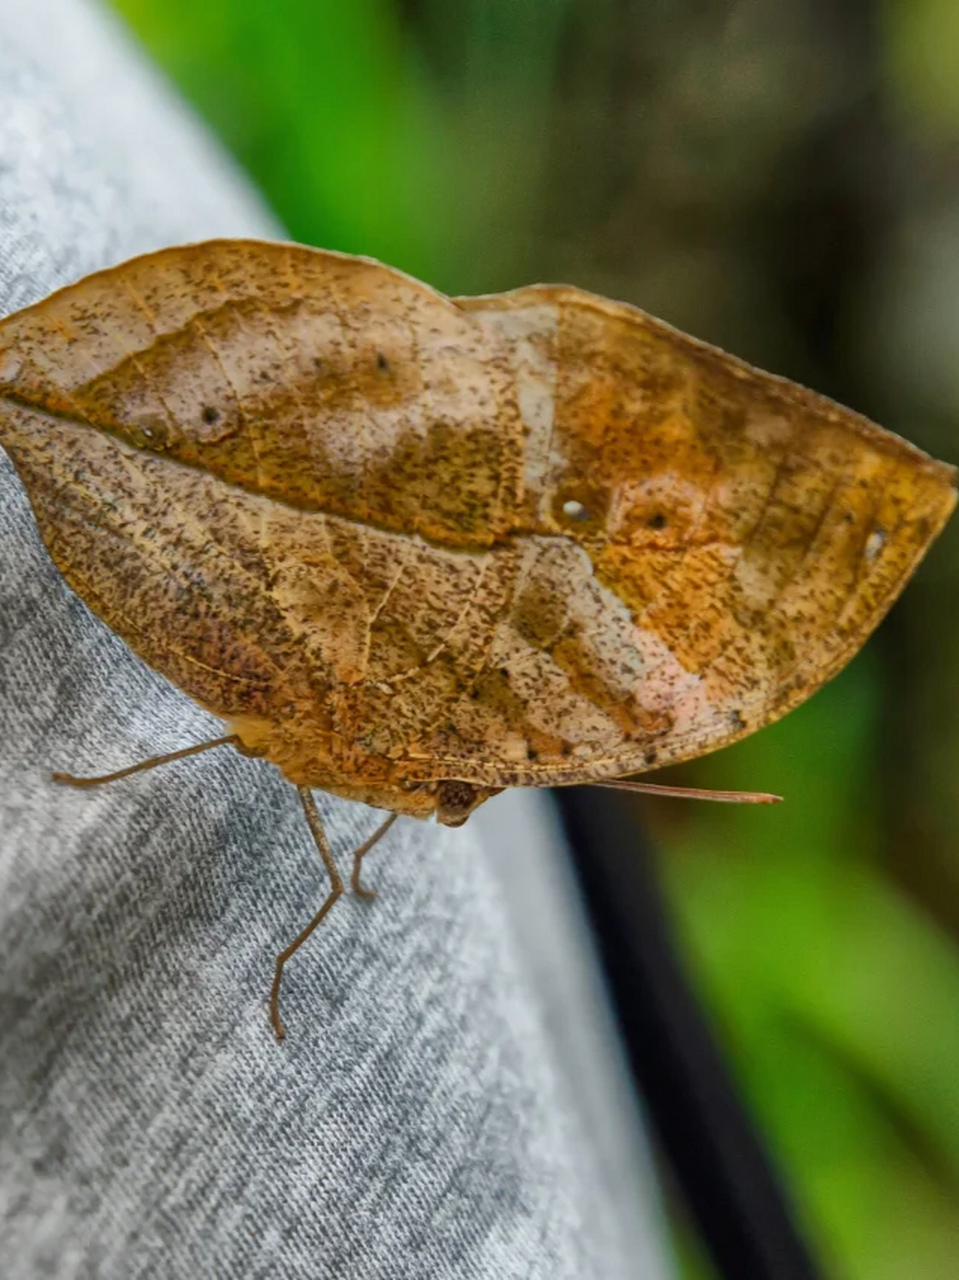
x: 359, y: 854
x: 336, y: 888
x: 70, y: 781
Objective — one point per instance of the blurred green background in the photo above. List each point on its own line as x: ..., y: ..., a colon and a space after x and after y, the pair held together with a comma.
x: 780, y: 177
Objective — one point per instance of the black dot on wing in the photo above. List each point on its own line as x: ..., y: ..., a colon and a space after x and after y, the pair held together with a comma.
x: 381, y: 362
x: 210, y: 414
x: 658, y: 521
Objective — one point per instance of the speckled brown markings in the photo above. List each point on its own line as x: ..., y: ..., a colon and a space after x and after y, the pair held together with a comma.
x: 401, y: 543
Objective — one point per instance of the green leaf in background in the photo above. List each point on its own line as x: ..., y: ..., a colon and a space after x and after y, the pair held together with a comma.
x: 835, y: 995
x: 352, y: 138
x: 320, y: 103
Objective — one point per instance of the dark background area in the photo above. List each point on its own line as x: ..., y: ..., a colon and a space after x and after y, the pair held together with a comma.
x: 780, y: 177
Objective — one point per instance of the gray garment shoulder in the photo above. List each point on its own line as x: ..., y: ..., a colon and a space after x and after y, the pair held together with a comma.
x: 450, y: 1101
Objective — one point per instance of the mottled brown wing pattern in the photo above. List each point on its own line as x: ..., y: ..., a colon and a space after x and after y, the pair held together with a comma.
x: 328, y: 382
x: 327, y: 644
x: 740, y: 539
x: 394, y: 538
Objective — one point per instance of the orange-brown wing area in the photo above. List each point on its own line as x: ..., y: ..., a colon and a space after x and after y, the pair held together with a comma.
x: 330, y: 382
x: 703, y: 546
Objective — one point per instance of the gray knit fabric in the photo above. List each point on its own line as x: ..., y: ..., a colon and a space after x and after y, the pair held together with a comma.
x: 450, y: 1101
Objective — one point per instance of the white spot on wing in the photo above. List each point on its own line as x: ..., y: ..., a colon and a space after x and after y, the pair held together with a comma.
x: 875, y: 543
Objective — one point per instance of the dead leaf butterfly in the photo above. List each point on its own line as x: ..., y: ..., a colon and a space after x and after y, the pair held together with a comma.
x: 415, y: 549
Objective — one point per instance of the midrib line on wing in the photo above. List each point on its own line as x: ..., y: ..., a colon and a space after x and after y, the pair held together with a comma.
x: 62, y: 415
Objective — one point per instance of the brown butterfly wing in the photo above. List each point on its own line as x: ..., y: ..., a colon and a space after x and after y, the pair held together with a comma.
x: 704, y: 545
x: 531, y: 538
x: 243, y: 456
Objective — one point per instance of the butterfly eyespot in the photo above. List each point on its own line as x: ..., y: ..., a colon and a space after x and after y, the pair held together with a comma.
x: 574, y: 510
x: 147, y: 434
x: 382, y: 363
x: 658, y: 521
x: 210, y: 414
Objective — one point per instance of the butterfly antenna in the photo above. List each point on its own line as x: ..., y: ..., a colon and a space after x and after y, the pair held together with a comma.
x: 689, y: 793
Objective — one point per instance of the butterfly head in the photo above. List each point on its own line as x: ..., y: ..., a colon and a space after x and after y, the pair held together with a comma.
x: 456, y: 800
